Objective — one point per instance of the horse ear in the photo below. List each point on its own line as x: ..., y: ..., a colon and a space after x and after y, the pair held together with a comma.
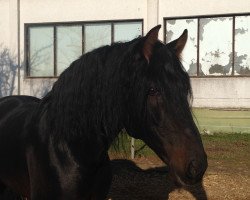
x: 179, y: 44
x: 150, y: 39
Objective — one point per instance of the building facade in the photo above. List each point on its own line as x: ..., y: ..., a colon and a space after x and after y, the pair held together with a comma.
x: 39, y: 39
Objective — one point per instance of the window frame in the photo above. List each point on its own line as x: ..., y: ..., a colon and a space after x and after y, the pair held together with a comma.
x: 199, y: 17
x: 54, y: 25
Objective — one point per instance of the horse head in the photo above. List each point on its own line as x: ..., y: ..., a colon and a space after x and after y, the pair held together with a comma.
x: 158, y: 106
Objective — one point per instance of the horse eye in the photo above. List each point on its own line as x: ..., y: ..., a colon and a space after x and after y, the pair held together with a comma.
x: 153, y: 91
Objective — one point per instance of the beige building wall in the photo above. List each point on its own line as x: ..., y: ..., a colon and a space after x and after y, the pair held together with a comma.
x: 208, y: 92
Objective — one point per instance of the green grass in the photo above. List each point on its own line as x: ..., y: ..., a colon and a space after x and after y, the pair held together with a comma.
x: 226, y: 152
x: 217, y: 122
x: 225, y: 138
x: 122, y: 147
x: 222, y: 121
x: 227, y: 146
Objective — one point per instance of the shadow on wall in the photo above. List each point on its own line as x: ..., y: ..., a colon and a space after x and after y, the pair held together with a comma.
x: 8, y: 71
x: 9, y: 75
x: 38, y: 87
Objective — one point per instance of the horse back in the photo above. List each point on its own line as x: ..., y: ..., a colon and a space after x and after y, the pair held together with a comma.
x: 11, y: 103
x: 15, y: 113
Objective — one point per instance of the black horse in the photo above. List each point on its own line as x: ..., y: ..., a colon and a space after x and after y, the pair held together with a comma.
x: 57, y: 147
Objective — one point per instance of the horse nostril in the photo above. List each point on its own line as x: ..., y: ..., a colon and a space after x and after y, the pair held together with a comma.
x: 193, y: 170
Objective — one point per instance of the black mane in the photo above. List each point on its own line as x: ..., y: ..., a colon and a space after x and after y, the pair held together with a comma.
x: 94, y: 90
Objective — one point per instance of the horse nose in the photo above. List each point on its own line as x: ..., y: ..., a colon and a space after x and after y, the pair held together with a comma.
x: 196, y: 169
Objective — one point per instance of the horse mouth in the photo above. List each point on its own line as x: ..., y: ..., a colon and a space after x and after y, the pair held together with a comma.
x: 186, y: 182
x: 180, y: 181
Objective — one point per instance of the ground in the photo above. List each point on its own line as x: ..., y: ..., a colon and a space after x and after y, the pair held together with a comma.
x: 227, y: 176
x: 147, y: 178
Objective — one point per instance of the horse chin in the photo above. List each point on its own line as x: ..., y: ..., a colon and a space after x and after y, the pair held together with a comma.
x: 182, y: 182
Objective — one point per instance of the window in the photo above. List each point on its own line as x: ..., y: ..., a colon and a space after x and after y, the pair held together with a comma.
x: 68, y: 46
x: 242, y: 45
x: 96, y: 35
x: 50, y: 48
x: 41, y: 51
x: 216, y: 46
x: 126, y: 32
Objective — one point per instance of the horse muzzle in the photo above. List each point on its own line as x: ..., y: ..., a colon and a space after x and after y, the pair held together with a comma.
x: 193, y: 172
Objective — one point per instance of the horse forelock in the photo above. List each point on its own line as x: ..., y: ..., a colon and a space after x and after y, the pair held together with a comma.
x: 173, y: 81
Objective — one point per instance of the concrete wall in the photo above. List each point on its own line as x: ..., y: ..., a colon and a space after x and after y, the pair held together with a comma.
x: 8, y: 48
x: 208, y: 92
x: 4, y: 22
x: 221, y: 92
